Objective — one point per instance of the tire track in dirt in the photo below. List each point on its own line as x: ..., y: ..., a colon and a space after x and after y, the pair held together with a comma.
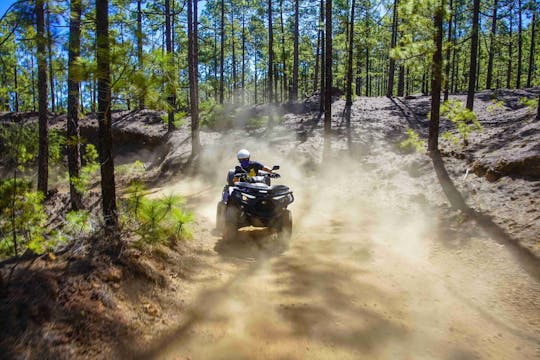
x: 360, y: 279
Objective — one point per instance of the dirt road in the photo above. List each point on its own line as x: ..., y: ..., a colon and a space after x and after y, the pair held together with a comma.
x: 365, y: 276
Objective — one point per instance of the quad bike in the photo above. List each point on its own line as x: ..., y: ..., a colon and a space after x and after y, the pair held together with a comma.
x: 253, y: 201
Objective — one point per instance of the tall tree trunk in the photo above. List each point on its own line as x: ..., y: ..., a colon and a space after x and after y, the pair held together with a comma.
x: 358, y: 74
x: 255, y: 75
x: 216, y: 81
x: 270, y: 54
x: 455, y: 68
x: 448, y: 52
x: 284, y: 84
x: 348, y: 101
x: 193, y: 76
x: 478, y: 61
x: 16, y: 87
x: 73, y: 147
x: 108, y: 188
x: 401, y: 80
x: 317, y: 57
x: 33, y: 84
x: 140, y: 60
x: 323, y: 59
x: 510, y: 51
x: 531, y: 50
x: 243, y: 84
x: 453, y: 195
x: 491, y: 53
x: 294, y: 94
x: 391, y: 67
x: 233, y: 46
x: 171, y: 97
x: 520, y: 48
x: 222, y: 54
x: 43, y: 155
x: 368, y: 82
x: 51, y: 67
x: 328, y: 85
x: 473, y: 57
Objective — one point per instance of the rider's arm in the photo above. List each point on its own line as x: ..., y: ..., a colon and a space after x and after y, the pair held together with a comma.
x: 267, y: 170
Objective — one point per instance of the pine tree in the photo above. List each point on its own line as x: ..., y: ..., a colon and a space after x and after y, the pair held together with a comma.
x: 73, y: 147
x: 108, y: 187
x: 43, y: 156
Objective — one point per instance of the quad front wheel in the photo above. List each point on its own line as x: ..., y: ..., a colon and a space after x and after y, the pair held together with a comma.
x: 230, y: 228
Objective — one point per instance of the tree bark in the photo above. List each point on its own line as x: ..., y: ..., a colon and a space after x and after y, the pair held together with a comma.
x: 391, y: 67
x: 401, y: 81
x: 270, y: 54
x: 520, y: 48
x: 317, y: 57
x: 448, y: 51
x: 473, y: 57
x: 284, y: 82
x: 233, y: 47
x: 73, y: 147
x: 328, y: 85
x: 531, y: 50
x: 108, y: 187
x: 51, y: 68
x: 491, y: 53
x: 348, y: 100
x: 510, y: 51
x: 16, y: 88
x: 453, y: 195
x: 193, y: 76
x: 140, y: 59
x: 323, y: 60
x: 222, y: 54
x: 171, y: 97
x: 294, y: 93
x: 243, y: 81
x: 43, y: 155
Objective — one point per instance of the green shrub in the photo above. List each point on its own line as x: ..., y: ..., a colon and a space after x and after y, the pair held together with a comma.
x: 21, y: 143
x: 134, y: 169
x: 22, y: 216
x: 413, y: 141
x: 464, y: 119
x: 497, y: 104
x: 88, y: 171
x: 156, y: 220
x: 530, y: 103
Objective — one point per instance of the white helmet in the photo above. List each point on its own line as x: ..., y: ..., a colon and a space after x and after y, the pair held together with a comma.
x: 243, y: 154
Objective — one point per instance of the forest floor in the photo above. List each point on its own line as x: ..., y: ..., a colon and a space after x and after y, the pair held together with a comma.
x: 378, y: 266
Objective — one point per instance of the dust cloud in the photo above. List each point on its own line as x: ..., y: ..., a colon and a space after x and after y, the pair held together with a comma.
x: 367, y: 273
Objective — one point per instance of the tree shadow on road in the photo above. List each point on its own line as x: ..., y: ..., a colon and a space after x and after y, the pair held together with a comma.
x: 345, y: 311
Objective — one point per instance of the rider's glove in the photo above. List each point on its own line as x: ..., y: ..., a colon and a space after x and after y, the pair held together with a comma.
x: 275, y: 175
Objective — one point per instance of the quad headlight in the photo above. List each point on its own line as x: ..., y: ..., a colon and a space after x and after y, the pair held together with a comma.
x: 245, y: 197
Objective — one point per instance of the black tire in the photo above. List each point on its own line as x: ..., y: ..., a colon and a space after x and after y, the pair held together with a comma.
x: 285, y: 226
x: 230, y: 228
x: 220, y: 216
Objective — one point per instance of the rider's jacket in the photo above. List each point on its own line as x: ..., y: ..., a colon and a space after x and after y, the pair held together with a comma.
x: 253, y: 168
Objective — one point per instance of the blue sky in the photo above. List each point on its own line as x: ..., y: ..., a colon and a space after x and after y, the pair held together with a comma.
x: 4, y: 4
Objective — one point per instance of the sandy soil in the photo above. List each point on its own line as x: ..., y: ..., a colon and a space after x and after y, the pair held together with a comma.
x: 378, y: 266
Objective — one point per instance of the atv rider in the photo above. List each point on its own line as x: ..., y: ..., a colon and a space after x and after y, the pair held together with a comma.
x: 251, y: 167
